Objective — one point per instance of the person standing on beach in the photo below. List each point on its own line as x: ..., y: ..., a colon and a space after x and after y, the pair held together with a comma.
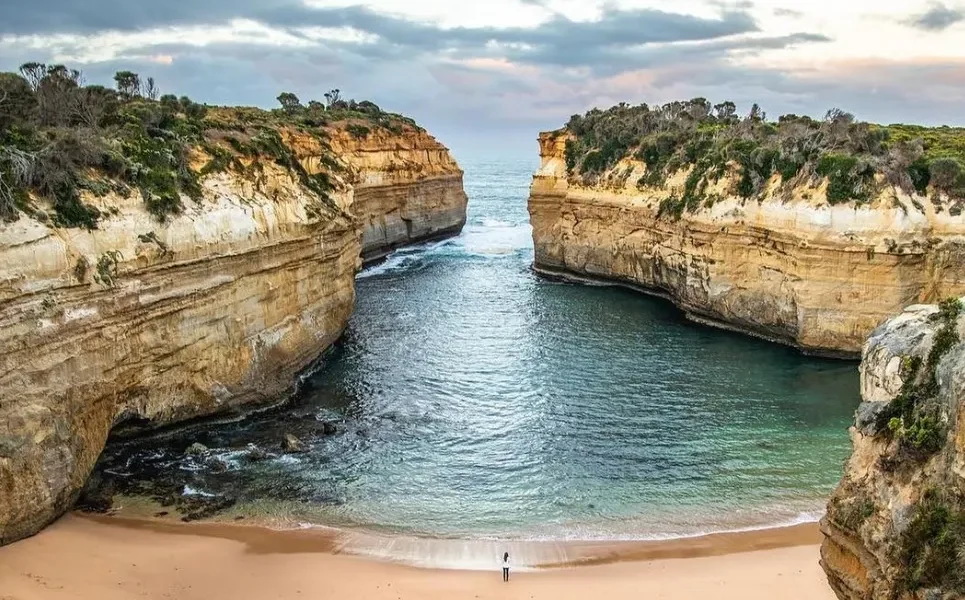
x: 506, y: 566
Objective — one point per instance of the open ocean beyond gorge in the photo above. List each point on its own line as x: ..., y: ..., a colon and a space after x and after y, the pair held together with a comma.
x: 476, y: 400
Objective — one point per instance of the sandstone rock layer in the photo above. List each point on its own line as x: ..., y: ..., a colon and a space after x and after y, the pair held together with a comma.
x: 407, y: 189
x: 895, y: 526
x: 787, y: 268
x: 140, y: 324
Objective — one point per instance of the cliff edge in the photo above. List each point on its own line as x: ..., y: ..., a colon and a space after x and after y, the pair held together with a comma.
x: 788, y: 231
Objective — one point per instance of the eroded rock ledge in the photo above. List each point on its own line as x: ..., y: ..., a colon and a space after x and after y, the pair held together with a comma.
x: 895, y: 527
x: 788, y: 267
x: 220, y: 307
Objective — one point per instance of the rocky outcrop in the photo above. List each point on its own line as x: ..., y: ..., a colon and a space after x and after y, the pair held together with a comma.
x: 140, y: 324
x: 895, y: 527
x: 407, y: 189
x: 788, y: 267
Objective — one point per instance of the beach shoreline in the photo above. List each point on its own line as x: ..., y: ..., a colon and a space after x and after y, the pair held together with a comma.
x: 432, y: 552
x: 85, y: 556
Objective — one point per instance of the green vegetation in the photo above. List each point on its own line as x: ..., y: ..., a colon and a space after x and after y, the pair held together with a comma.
x: 358, y: 131
x: 914, y: 417
x: 60, y: 138
x: 931, y: 545
x: 106, y: 272
x: 713, y: 141
x: 850, y: 514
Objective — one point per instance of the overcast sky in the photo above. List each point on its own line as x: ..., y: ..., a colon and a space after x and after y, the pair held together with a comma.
x: 485, y: 76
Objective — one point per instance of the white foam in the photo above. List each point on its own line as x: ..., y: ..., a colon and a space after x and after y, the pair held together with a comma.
x: 190, y: 491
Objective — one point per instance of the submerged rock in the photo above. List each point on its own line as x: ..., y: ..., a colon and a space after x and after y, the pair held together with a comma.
x: 216, y: 465
x: 292, y: 445
x: 196, y: 449
x: 256, y: 454
x: 329, y: 428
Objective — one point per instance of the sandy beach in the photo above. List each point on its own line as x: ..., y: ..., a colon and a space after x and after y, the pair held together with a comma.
x: 104, y: 559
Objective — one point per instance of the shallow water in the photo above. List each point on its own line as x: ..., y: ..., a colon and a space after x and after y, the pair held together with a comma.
x: 475, y: 400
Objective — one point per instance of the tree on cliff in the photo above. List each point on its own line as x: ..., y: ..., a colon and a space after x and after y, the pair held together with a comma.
x: 128, y: 83
x: 289, y: 103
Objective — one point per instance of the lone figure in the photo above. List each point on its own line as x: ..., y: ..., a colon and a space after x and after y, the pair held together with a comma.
x: 506, y: 566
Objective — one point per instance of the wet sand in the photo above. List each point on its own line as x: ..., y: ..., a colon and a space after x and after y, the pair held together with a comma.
x: 107, y: 558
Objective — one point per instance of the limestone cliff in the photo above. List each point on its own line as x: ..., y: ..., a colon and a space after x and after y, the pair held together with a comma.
x: 787, y: 266
x: 895, y: 527
x: 140, y: 323
x: 407, y: 189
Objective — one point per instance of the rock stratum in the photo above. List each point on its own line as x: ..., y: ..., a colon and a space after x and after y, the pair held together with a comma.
x: 216, y: 306
x: 782, y: 263
x: 895, y: 527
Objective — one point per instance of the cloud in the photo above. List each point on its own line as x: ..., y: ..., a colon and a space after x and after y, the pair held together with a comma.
x: 938, y: 17
x: 466, y: 83
x: 788, y: 12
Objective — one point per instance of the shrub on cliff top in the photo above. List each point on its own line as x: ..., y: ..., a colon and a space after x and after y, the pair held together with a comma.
x: 59, y: 138
x: 853, y: 156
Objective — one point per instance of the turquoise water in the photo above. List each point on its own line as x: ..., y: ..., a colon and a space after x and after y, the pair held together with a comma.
x: 474, y: 399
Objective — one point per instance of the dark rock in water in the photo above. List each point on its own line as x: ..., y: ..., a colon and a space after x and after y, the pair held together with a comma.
x: 162, y: 513
x: 201, y: 507
x: 216, y: 465
x: 329, y: 428
x: 196, y: 449
x: 293, y: 445
x: 256, y: 454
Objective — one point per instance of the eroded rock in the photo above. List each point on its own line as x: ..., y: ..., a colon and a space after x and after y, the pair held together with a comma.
x: 895, y: 526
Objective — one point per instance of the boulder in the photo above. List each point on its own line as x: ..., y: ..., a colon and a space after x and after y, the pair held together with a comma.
x: 196, y: 449
x: 292, y: 445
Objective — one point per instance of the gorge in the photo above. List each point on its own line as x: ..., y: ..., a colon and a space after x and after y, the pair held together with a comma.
x: 172, y: 268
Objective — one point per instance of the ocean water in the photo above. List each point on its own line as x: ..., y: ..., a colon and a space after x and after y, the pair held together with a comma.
x: 475, y: 400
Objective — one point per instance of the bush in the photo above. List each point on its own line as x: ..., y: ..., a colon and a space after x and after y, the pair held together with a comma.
x: 914, y: 417
x: 947, y: 174
x: 357, y: 131
x: 850, y: 154
x: 930, y: 546
x: 847, y: 178
x: 920, y: 174
x: 59, y: 137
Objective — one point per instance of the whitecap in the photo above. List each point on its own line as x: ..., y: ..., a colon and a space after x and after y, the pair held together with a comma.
x: 190, y: 491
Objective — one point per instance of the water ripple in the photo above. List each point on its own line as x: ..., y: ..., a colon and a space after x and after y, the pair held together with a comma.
x: 475, y: 400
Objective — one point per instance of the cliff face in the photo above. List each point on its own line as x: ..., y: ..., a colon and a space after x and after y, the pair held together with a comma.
x: 141, y: 324
x: 790, y: 267
x: 895, y: 527
x: 407, y: 189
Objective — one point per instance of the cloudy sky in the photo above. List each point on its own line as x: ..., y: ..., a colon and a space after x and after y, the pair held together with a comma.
x: 486, y: 75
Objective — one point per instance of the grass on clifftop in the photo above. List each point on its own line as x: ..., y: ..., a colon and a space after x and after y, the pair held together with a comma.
x: 855, y: 158
x: 59, y: 138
